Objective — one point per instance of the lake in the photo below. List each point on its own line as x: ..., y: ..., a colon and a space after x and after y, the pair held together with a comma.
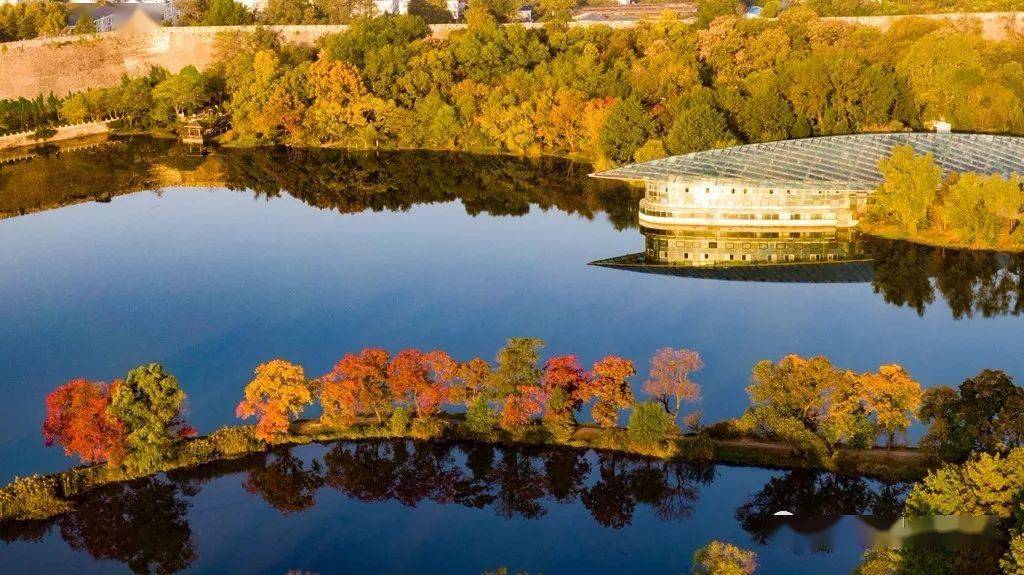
x: 142, y: 251
x: 400, y: 507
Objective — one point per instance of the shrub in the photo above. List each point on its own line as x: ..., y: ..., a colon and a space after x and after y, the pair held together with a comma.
x: 727, y: 429
x: 197, y: 451
x: 559, y: 426
x: 697, y: 448
x: 611, y: 438
x: 236, y: 440
x: 480, y: 418
x: 648, y: 424
x: 398, y: 425
x: 33, y: 497
x: 428, y: 428
x: 718, y: 558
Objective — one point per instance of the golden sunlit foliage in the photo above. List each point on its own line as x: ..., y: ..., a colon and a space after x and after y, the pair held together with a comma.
x: 816, y: 406
x: 972, y: 209
x: 278, y: 393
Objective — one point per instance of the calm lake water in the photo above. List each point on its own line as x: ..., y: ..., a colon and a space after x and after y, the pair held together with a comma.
x: 399, y: 507
x: 213, y: 264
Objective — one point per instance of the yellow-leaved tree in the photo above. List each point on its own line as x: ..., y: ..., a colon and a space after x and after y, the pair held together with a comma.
x: 892, y: 397
x: 343, y: 110
x: 277, y: 394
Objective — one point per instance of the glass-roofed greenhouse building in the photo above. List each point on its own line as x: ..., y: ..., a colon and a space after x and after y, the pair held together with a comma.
x: 812, y: 182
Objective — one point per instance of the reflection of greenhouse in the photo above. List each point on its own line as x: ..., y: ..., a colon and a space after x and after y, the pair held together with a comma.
x: 821, y: 254
x: 811, y: 182
x: 715, y: 246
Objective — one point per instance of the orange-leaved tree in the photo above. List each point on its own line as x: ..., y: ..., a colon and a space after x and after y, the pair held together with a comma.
x: 77, y: 419
x: 475, y: 379
x: 357, y: 385
x: 521, y: 406
x: 422, y: 380
x: 609, y: 384
x: 277, y: 394
x: 670, y: 377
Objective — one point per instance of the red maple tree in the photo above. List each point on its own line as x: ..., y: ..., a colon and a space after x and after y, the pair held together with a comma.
x: 423, y: 380
x: 564, y: 375
x: 77, y: 419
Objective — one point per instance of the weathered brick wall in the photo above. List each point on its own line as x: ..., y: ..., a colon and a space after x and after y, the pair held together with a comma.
x: 69, y: 64
x: 994, y: 25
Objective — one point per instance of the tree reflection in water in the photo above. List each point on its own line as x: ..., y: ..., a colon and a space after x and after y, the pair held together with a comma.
x: 346, y: 182
x: 905, y: 274
x: 285, y: 482
x: 144, y: 524
x: 515, y: 482
x: 970, y: 282
x: 825, y: 497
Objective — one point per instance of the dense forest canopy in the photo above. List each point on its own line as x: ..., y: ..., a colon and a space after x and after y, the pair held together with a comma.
x: 610, y: 95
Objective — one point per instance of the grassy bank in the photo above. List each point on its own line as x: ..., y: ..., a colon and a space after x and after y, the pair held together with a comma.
x: 45, y: 496
x: 934, y: 239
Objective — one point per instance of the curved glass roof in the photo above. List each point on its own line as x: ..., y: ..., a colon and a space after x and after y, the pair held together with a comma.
x: 830, y: 162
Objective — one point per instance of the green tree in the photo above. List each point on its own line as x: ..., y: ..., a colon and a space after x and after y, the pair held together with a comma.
x: 696, y: 128
x: 290, y: 12
x: 517, y: 366
x: 980, y: 207
x: 626, y: 128
x: 134, y: 101
x: 807, y: 402
x: 344, y: 11
x: 480, y: 418
x: 985, y: 414
x: 85, y: 25
x: 184, y: 92
x: 557, y: 10
x: 149, y: 402
x: 367, y: 36
x: 75, y: 109
x: 227, y: 13
x: 708, y: 10
x: 765, y: 115
x: 648, y: 424
x: 910, y: 184
x: 652, y: 150
x: 500, y: 10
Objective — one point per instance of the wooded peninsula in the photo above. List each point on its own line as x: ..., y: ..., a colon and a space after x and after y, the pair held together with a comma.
x: 804, y: 412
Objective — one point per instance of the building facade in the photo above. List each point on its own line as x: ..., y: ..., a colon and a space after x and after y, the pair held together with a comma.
x: 807, y: 183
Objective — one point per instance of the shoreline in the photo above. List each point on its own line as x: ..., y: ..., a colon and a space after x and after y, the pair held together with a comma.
x: 38, y: 497
x: 890, y: 233
x: 117, y: 136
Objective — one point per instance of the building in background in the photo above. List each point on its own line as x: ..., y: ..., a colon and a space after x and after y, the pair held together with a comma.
x: 107, y: 16
x: 806, y: 183
x: 456, y: 7
x: 392, y: 6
